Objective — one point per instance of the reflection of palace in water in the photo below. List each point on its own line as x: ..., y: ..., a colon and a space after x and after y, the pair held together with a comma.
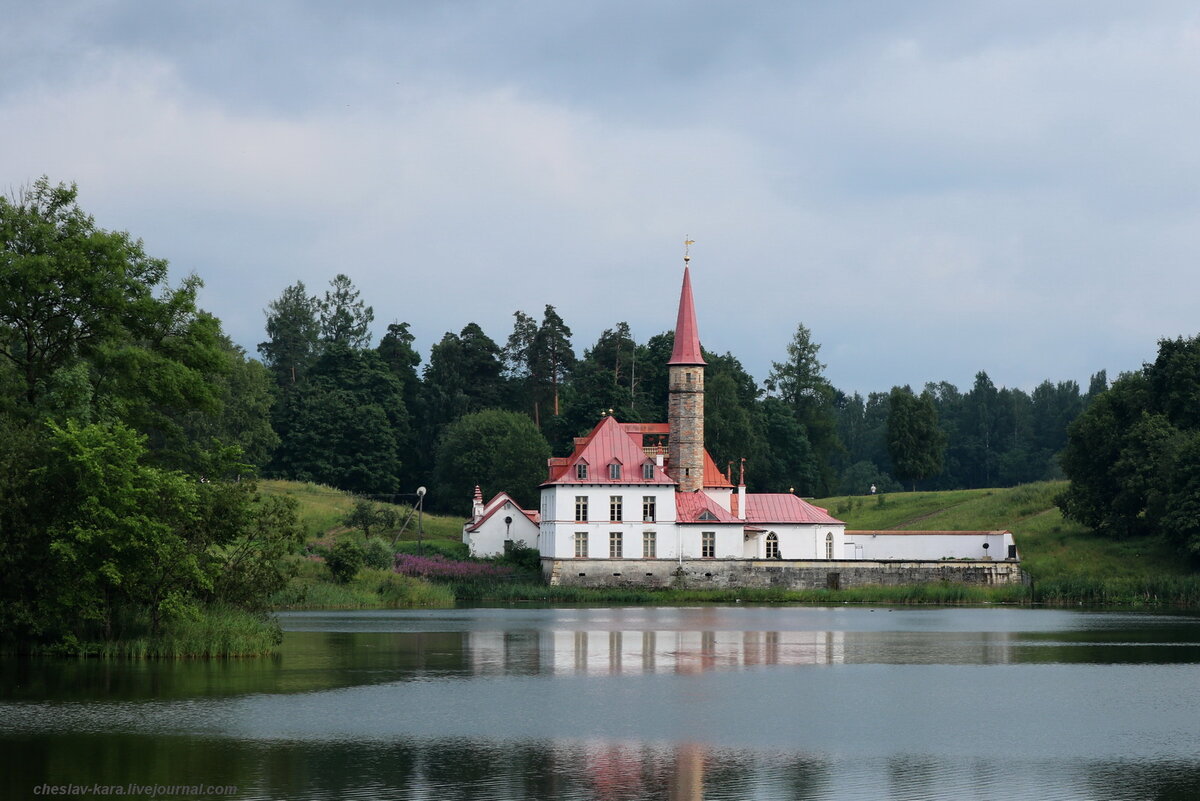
x: 605, y: 652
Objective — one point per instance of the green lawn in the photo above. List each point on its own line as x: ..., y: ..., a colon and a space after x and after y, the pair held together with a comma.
x: 322, y: 509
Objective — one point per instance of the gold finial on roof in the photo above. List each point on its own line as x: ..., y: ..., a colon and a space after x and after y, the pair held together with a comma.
x: 686, y: 244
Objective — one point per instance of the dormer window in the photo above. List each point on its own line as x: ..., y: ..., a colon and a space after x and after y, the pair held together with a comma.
x: 648, y: 471
x: 707, y: 515
x: 581, y: 470
x: 614, y: 471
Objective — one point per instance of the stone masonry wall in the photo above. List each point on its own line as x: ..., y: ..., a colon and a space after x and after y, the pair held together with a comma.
x: 785, y: 574
x: 685, y: 415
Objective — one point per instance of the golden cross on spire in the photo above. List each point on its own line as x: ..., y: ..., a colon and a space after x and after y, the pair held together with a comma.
x: 686, y: 244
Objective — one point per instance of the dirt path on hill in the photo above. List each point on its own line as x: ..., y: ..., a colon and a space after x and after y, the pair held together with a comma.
x: 901, y: 525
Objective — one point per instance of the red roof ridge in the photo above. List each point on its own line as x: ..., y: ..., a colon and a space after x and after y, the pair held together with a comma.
x: 784, y: 507
x: 607, y: 443
x: 496, y: 504
x: 690, y: 505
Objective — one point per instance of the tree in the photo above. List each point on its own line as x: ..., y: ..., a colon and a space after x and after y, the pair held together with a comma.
x: 244, y: 392
x: 366, y: 516
x: 292, y: 335
x: 553, y: 353
x: 538, y: 360
x: 799, y: 382
x: 787, y: 460
x: 67, y: 287
x: 345, y: 320
x: 915, y: 442
x: 131, y: 415
x: 498, y: 450
x: 346, y: 426
x: 730, y: 397
x: 1132, y: 455
x: 463, y: 376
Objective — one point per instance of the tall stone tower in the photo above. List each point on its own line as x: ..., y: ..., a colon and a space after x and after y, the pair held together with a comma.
x: 685, y: 400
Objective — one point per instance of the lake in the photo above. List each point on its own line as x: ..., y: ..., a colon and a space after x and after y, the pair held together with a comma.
x: 712, y: 702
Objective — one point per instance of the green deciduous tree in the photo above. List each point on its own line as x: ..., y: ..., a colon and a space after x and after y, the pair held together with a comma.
x: 498, y: 450
x: 1132, y: 455
x: 67, y: 287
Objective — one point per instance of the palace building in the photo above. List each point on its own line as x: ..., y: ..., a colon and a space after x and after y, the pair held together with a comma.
x: 623, y: 501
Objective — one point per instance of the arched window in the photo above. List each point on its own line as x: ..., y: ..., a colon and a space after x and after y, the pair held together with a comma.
x: 829, y: 545
x: 772, y: 546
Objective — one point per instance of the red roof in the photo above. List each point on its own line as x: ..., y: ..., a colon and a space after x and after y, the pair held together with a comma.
x: 713, y: 477
x: 690, y: 506
x: 496, y: 504
x: 783, y: 507
x: 607, y: 443
x: 687, y: 333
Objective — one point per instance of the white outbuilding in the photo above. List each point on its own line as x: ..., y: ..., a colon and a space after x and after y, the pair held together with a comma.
x: 499, y: 524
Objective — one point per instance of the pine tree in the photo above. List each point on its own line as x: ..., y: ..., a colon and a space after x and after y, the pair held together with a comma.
x: 293, y: 332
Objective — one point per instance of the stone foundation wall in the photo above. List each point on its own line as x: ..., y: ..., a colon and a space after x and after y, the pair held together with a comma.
x: 785, y: 574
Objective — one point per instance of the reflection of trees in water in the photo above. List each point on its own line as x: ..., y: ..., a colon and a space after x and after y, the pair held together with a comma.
x: 468, y: 769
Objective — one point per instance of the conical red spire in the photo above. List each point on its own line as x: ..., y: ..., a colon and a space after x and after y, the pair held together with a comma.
x: 687, y: 333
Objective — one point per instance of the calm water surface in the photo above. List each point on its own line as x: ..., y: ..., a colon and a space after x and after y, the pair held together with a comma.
x: 736, y: 702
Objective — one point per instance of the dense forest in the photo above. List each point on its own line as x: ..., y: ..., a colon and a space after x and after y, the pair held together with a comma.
x: 132, y: 429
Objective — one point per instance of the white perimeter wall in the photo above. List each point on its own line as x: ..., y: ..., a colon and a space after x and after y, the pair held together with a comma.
x: 968, y: 545
x: 797, y: 541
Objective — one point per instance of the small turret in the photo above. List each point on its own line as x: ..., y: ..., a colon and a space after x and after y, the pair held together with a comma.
x: 477, y: 505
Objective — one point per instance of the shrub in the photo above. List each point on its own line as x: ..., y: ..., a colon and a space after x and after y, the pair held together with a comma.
x: 345, y: 560
x: 378, y: 554
x: 438, y: 567
x: 446, y: 548
x: 523, y: 558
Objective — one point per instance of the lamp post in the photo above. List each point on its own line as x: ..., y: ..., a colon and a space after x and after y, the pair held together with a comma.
x: 417, y: 509
x: 420, y: 521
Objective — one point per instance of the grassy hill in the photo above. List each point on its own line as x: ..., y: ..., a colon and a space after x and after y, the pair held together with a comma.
x: 1051, y: 548
x: 323, y: 508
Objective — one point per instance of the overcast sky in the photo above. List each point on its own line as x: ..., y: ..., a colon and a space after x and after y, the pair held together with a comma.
x: 933, y: 188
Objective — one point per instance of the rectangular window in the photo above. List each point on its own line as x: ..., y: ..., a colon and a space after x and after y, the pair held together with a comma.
x: 614, y: 472
x: 649, y: 545
x: 708, y: 545
x: 581, y: 509
x: 581, y: 545
x: 647, y: 508
x: 614, y: 545
x: 648, y: 472
x: 614, y: 508
x: 581, y: 470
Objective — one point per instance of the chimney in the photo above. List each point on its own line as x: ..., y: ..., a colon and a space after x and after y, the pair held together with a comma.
x: 741, y: 493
